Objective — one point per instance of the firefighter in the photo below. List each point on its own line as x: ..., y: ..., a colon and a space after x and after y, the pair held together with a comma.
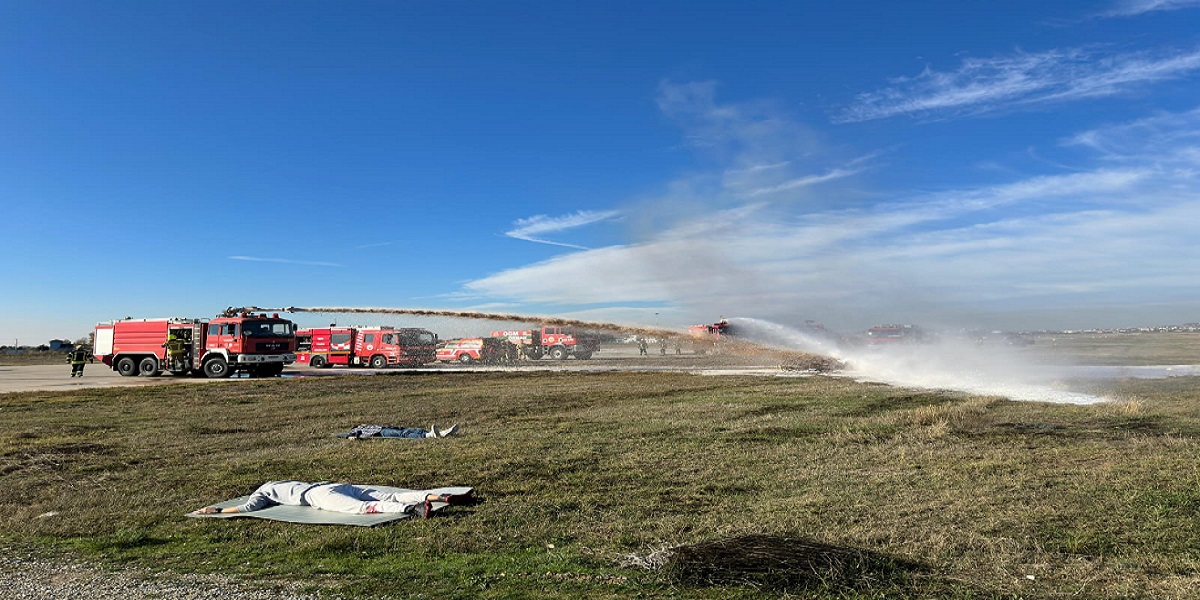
x: 78, y: 358
x: 176, y: 350
x: 678, y: 350
x: 641, y: 346
x: 663, y: 346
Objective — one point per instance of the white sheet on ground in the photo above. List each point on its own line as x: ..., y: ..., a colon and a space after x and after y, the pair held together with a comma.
x: 316, y: 516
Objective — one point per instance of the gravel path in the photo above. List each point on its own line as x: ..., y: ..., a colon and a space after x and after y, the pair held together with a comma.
x: 24, y: 576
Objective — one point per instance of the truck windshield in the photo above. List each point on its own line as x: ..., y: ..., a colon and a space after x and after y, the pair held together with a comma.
x: 268, y: 329
x: 416, y: 338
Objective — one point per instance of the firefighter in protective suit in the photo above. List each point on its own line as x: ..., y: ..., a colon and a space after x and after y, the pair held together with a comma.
x: 78, y: 358
x: 176, y: 352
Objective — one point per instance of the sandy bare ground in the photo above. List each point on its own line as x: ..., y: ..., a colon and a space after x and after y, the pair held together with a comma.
x: 38, y: 378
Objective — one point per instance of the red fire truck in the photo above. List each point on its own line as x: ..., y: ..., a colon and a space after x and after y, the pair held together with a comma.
x: 705, y: 338
x: 253, y: 343
x: 376, y: 347
x: 555, y: 342
x: 714, y: 331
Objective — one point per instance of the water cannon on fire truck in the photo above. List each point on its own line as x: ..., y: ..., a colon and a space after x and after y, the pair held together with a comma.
x: 705, y: 338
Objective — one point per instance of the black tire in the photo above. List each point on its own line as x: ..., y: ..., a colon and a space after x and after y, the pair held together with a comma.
x: 265, y: 370
x: 126, y: 367
x: 317, y: 362
x: 378, y: 361
x: 583, y: 355
x: 558, y: 353
x: 149, y: 367
x: 465, y: 359
x: 535, y: 354
x: 217, y: 368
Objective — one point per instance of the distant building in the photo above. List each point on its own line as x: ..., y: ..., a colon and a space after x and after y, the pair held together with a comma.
x: 61, y: 345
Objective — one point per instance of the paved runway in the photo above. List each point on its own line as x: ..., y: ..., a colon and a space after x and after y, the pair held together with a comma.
x: 58, y: 377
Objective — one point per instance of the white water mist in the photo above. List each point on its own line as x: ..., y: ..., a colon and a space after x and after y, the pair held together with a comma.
x: 951, y: 364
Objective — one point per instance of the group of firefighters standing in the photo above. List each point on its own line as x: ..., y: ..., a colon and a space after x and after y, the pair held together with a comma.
x: 643, y: 343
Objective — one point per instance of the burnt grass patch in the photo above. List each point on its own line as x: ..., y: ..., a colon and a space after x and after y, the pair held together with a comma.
x: 877, y: 405
x: 50, y: 457
x: 778, y: 434
x: 791, y: 564
x: 1111, y: 428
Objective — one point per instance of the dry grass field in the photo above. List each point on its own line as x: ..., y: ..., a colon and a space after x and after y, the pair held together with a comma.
x: 34, y: 357
x: 1119, y: 349
x: 629, y: 484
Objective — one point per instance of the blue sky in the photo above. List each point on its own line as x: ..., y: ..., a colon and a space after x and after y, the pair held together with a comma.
x: 1013, y: 165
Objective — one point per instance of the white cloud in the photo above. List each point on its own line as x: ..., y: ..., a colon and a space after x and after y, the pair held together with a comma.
x: 758, y: 168
x: 799, y: 182
x: 902, y: 258
x: 1019, y: 80
x: 1117, y: 237
x: 1130, y: 8
x: 1173, y: 139
x: 288, y: 261
x: 534, y: 228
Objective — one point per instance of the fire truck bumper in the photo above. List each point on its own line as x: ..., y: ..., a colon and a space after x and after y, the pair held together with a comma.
x: 266, y: 358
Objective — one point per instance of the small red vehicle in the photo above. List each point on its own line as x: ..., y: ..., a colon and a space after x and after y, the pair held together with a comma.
x: 465, y: 351
x: 469, y: 350
x: 376, y: 347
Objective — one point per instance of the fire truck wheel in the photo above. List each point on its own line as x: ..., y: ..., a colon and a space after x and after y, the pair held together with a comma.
x: 126, y: 367
x: 317, y: 362
x: 149, y: 367
x: 378, y: 361
x: 558, y: 353
x: 216, y: 368
x: 464, y: 359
